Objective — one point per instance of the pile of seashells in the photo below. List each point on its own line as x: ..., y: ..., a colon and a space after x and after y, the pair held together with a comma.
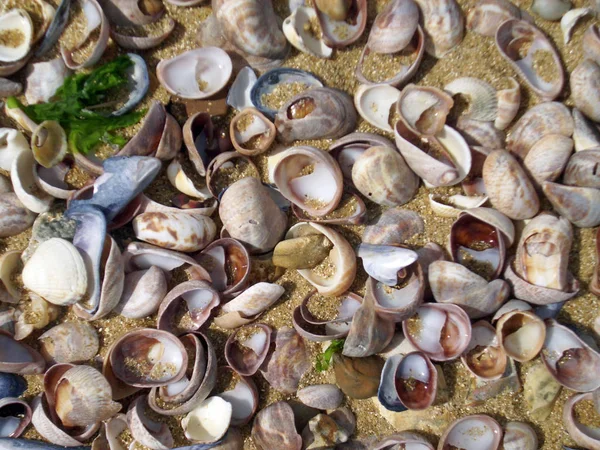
x: 490, y: 298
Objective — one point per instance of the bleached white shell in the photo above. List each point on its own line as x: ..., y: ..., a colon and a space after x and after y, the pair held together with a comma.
x: 12, y: 142
x: 44, y: 79
x: 383, y: 262
x: 209, y: 421
x: 519, y: 436
x: 184, y: 184
x: 16, y: 21
x: 23, y: 181
x: 373, y: 103
x: 455, y: 204
x: 238, y: 96
x: 182, y: 74
x: 301, y: 38
x: 56, y: 272
x: 570, y: 19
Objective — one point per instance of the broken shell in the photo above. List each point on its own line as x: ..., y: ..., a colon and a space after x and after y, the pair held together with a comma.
x: 16, y: 21
x: 358, y: 377
x: 274, y: 428
x: 580, y: 205
x: 250, y: 304
x: 452, y: 283
x: 336, y: 10
x: 395, y: 226
x: 304, y: 252
x: 383, y: 262
x: 251, y: 132
x: 229, y: 265
x: 441, y: 331
x: 177, y: 231
x: 246, y: 356
x: 69, y: 342
x: 145, y: 431
x: 143, y: 290
x: 339, y: 28
x: 347, y: 149
x: 195, y: 74
x: 569, y: 359
x: 514, y: 37
x: 409, y: 439
x: 44, y: 79
x: 183, y: 183
x: 148, y: 358
x: 373, y: 103
x: 580, y: 170
x: 298, y: 32
x: 95, y: 20
x: 198, y: 297
x: 310, y: 178
x: 487, y: 15
x: 484, y: 356
x: 10, y: 265
x: 550, y: 9
x: 586, y: 135
x: 21, y: 175
x: 15, y: 416
x: 228, y: 162
x: 319, y: 113
x: 443, y: 25
x: 208, y: 422
x: 548, y: 157
x: 288, y: 363
x: 243, y: 398
x: 509, y: 102
x: 545, y: 118
x: 239, y: 95
x: 483, y: 104
x: 321, y: 396
x: 52, y: 181
x: 56, y: 272
x: 12, y: 143
x: 142, y: 42
x: 519, y: 436
x: 454, y: 205
x: 583, y: 435
x: 14, y: 217
x: 250, y: 215
x: 570, y: 19
x: 424, y: 109
x: 584, y: 80
x: 49, y: 143
x: 591, y: 43
x: 341, y: 257
x: 382, y: 175
x: 9, y: 88
x: 129, y: 13
x: 508, y: 187
x: 521, y: 334
x: 477, y: 432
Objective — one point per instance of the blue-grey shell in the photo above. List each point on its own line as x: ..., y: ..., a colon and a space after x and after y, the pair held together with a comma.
x: 11, y: 385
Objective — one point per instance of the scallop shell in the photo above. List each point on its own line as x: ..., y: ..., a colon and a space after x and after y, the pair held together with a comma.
x: 483, y: 104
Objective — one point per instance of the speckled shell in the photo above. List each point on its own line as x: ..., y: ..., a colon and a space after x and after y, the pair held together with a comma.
x: 444, y: 25
x: 585, y: 88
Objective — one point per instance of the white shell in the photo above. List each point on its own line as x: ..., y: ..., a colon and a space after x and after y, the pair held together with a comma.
x: 455, y: 204
x: 383, y: 262
x: 209, y: 421
x: 550, y: 9
x: 23, y: 181
x: 16, y: 20
x: 570, y: 19
x: 184, y: 184
x: 56, y: 272
x: 301, y: 38
x: 472, y: 433
x: 12, y: 142
x: 238, y: 96
x: 44, y: 79
x: 519, y: 436
x: 181, y: 75
x: 373, y: 103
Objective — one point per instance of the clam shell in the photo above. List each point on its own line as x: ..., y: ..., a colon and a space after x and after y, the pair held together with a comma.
x: 209, y: 422
x: 548, y: 157
x: 383, y: 262
x: 395, y: 226
x: 239, y: 95
x: 19, y: 358
x: 69, y: 342
x: 14, y: 216
x: 274, y: 428
x: 21, y: 175
x: 289, y: 361
x: 128, y: 13
x: 485, y: 356
x: 394, y: 27
x: 509, y: 102
x: 477, y: 432
x: 521, y: 334
x: 424, y: 109
x: 454, y: 205
x: 16, y: 416
x: 321, y: 396
x: 519, y: 436
x: 347, y: 149
x: 586, y: 135
x: 43, y: 79
x: 180, y: 75
x: 222, y: 255
x: 296, y: 28
x: 444, y: 25
x: 387, y: 393
x: 247, y: 306
x: 581, y: 434
x: 481, y: 134
x: 407, y: 438
x: 577, y: 204
x: 227, y: 161
x: 373, y: 103
x: 246, y: 356
x: 143, y: 290
x: 510, y: 37
x: 550, y: 9
x: 585, y: 80
x: 570, y: 19
x: 342, y: 30
x: 19, y: 20
x: 580, y: 169
x: 142, y: 42
x: 146, y: 431
x: 253, y: 138
x: 350, y: 211
x: 485, y: 17
x: 244, y: 400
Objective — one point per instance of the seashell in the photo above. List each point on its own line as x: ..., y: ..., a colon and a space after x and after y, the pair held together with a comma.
x: 95, y: 20
x: 394, y: 27
x: 198, y: 297
x: 350, y: 211
x: 444, y: 25
x: 56, y: 272
x: 344, y: 26
x: 441, y: 331
x: 576, y: 204
x: 277, y: 79
x: 545, y: 118
x: 321, y: 396
x: 143, y: 290
x: 582, y: 435
x: 508, y: 187
x: 584, y: 79
x: 406, y: 438
x: 319, y: 113
x: 384, y: 262
x: 481, y: 390
x: 297, y: 30
x: 341, y: 260
x: 509, y: 102
x: 452, y: 283
x: 195, y: 74
x: 552, y: 9
x: 548, y: 157
x: 44, y: 79
x: 251, y: 132
x: 387, y: 393
x: 128, y: 13
x: 45, y: 426
x: 288, y: 363
x: 274, y: 428
x: 478, y: 133
x: 251, y: 216
x: 485, y: 17
x: 55, y: 27
x: 591, y: 43
x: 146, y: 431
x: 470, y: 432
x: 310, y: 178
x: 249, y: 305
x: 570, y: 19
x: 580, y: 169
x: 358, y: 377
x: 511, y: 305
x: 222, y: 257
x: 12, y: 385
x: 381, y: 175
x: 183, y: 183
x: 373, y: 103
x: 569, y: 359
x: 454, y: 205
x: 540, y: 391
x: 243, y: 398
x: 208, y: 422
x: 142, y: 42
x: 521, y: 334
x: 304, y: 252
x: 450, y: 167
x: 415, y: 379
x: 519, y: 436
x: 19, y: 358
x: 483, y: 104
x: 52, y: 181
x: 514, y: 37
x: 322, y: 431
x: 19, y: 21
x: 9, y: 88
x: 424, y: 109
x: 138, y: 83
x: 148, y: 358
x: 49, y: 143
x: 246, y: 356
x: 177, y: 231
x: 184, y: 395
x: 16, y: 416
x: 227, y: 161
x: 75, y: 404
x: 347, y: 149
x: 485, y: 357
x: 239, y: 95
x: 395, y: 226
x: 14, y: 217
x: 69, y: 342
x: 21, y: 175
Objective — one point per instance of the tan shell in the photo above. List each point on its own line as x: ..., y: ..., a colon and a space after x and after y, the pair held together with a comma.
x: 444, y: 25
x: 424, y: 109
x: 547, y: 158
x: 394, y: 27
x: 249, y: 305
x: 260, y: 131
x: 395, y: 226
x: 521, y: 334
x: 509, y: 102
x: 69, y: 342
x: 485, y: 357
x: 485, y: 17
x: 274, y: 428
x: 14, y: 217
x: 580, y: 205
x: 591, y: 43
x: 585, y: 85
x: 143, y: 290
